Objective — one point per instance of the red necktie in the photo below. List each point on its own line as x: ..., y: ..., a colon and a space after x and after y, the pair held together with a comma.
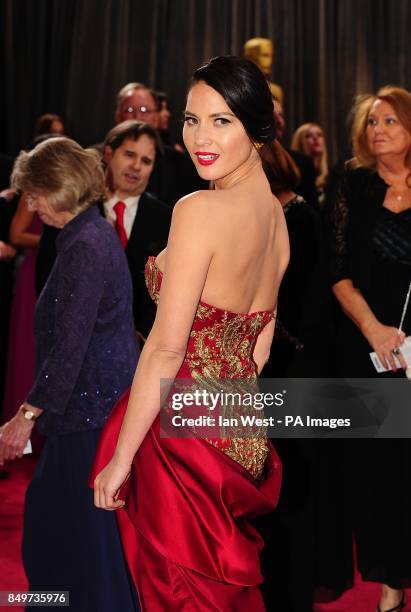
x: 120, y: 229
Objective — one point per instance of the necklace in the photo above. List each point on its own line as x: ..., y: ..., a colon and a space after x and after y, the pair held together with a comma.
x: 397, y: 202
x: 401, y: 192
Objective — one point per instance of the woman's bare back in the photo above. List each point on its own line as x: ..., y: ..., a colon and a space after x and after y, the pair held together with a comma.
x: 250, y: 249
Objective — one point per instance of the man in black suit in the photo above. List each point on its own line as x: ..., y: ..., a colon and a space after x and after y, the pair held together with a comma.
x: 174, y: 175
x: 130, y: 152
x: 141, y: 220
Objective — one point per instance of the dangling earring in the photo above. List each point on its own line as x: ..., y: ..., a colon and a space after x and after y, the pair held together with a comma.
x: 258, y: 145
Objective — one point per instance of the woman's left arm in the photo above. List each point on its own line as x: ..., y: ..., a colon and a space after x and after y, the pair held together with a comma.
x: 19, y: 237
x: 188, y: 257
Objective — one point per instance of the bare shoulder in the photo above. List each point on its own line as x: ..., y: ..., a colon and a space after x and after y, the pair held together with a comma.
x: 197, y: 198
x: 198, y: 207
x: 192, y: 223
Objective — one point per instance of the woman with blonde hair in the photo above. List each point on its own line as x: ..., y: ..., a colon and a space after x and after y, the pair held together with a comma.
x: 309, y: 139
x: 370, y: 267
x: 85, y: 358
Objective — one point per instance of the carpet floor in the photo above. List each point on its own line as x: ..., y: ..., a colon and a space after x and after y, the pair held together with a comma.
x: 363, y: 597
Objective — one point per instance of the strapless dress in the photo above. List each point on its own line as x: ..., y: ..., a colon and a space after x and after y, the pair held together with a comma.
x: 186, y: 527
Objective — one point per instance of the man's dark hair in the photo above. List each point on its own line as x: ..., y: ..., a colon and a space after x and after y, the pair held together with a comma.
x: 131, y: 129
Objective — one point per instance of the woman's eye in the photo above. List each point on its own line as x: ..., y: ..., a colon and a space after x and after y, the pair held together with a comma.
x: 371, y: 121
x: 391, y: 120
x: 222, y: 121
x: 190, y: 120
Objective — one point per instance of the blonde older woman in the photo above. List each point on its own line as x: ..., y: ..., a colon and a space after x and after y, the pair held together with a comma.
x: 85, y: 358
x: 309, y: 139
x: 370, y: 264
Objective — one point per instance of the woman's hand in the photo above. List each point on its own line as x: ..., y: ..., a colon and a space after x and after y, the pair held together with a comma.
x: 14, y: 436
x: 107, y: 485
x: 8, y: 194
x: 20, y: 236
x: 384, y: 340
x: 6, y: 251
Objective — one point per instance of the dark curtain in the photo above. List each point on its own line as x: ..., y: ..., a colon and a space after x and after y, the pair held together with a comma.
x: 72, y: 56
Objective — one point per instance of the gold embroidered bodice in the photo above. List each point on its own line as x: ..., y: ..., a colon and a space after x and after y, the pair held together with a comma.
x: 221, y: 346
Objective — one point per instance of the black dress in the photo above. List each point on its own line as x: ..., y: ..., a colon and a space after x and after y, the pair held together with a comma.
x: 307, y: 555
x: 372, y: 246
x: 304, y: 332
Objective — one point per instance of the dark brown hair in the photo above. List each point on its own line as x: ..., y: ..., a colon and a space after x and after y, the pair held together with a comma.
x: 131, y: 129
x: 246, y: 92
x: 280, y: 169
x: 44, y: 123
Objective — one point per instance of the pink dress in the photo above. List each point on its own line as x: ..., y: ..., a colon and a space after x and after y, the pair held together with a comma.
x: 20, y: 357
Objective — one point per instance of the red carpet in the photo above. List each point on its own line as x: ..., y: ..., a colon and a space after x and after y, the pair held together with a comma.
x: 362, y: 598
x: 12, y: 490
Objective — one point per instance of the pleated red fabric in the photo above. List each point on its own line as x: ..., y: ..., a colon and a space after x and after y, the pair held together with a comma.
x: 186, y: 527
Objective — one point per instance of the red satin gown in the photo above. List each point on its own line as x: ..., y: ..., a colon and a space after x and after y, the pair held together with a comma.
x: 186, y: 528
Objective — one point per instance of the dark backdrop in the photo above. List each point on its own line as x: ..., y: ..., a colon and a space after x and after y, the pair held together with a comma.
x: 71, y: 56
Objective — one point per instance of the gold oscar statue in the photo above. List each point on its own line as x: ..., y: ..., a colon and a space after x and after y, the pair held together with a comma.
x: 261, y: 52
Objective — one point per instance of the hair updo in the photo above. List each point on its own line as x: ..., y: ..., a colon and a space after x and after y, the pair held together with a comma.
x: 245, y: 91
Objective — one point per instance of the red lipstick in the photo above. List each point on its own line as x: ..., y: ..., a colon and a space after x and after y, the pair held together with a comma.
x: 205, y: 158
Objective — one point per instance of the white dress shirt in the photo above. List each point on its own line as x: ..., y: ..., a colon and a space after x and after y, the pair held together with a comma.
x: 130, y: 211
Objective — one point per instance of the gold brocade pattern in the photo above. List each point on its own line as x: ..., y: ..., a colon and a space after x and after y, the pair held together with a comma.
x: 250, y: 453
x: 151, y: 275
x: 220, y: 347
x: 223, y: 349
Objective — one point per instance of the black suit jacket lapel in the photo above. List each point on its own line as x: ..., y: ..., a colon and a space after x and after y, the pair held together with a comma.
x: 136, y: 238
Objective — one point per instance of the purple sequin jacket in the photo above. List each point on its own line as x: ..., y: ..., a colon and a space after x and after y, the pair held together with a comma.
x: 86, y: 348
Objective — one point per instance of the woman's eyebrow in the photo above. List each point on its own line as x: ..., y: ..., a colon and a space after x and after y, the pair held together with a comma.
x: 223, y: 113
x: 187, y: 112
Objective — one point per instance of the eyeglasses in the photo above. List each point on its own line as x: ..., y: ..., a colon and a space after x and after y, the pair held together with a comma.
x: 141, y: 110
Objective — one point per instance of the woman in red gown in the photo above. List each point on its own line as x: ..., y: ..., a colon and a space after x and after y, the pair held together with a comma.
x: 184, y: 506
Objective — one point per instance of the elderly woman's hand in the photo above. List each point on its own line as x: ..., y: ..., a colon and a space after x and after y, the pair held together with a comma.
x: 107, y: 485
x: 386, y: 342
x: 14, y: 436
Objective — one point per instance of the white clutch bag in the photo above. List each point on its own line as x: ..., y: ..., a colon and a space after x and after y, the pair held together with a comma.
x: 28, y: 448
x: 405, y: 350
